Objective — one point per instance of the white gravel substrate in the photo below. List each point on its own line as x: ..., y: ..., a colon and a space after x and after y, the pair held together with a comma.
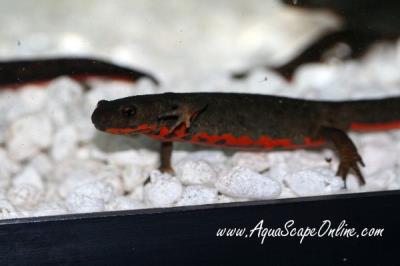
x: 53, y: 161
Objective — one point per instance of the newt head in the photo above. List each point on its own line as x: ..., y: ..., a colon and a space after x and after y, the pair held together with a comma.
x: 131, y: 115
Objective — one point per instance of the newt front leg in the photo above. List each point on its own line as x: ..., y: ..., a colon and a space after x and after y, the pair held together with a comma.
x: 165, y: 157
x: 185, y: 114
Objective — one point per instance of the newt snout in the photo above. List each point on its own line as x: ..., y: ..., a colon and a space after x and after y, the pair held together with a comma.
x: 123, y: 118
x: 99, y: 118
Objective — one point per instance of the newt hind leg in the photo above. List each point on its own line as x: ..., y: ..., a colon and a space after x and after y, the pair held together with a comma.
x: 347, y: 151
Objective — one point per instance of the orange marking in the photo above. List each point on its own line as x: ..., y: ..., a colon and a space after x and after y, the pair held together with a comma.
x: 164, y: 131
x: 85, y: 77
x: 18, y: 85
x: 373, y: 127
x: 143, y: 128
x: 309, y: 142
x: 228, y: 140
x: 244, y: 141
x: 265, y: 142
x: 180, y: 131
x: 121, y: 131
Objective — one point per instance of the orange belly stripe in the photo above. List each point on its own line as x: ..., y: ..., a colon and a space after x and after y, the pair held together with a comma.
x: 229, y: 140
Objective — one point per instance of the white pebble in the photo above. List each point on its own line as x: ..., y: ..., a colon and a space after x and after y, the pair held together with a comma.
x: 279, y: 163
x: 7, y: 169
x: 33, y: 99
x: 50, y: 208
x: 225, y: 199
x: 381, y: 180
x: 210, y: 156
x: 138, y: 157
x: 90, y: 197
x: 157, y: 175
x: 197, y: 195
x: 77, y: 204
x: 245, y: 183
x: 7, y: 210
x: 215, y: 158
x: 25, y: 196
x: 287, y: 193
x: 374, y: 156
x: 396, y: 182
x: 94, y: 152
x: 83, y: 153
x: 256, y: 161
x: 5, y: 179
x: 137, y: 193
x: 305, y: 159
x: 28, y: 135
x: 198, y: 172
x: 80, y: 176
x: 11, y: 106
x: 179, y: 155
x: 133, y: 176
x: 314, y: 181
x: 96, y: 190
x: 64, y: 144
x: 42, y: 164
x: 74, y: 179
x: 84, y: 128
x: 163, y: 192
x: 352, y: 184
x: 65, y: 91
x: 124, y: 203
x: 3, y: 127
x: 57, y: 114
x: 29, y: 176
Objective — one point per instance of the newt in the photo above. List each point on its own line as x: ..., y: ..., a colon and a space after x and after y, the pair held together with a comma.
x: 248, y: 121
x: 363, y: 24
x: 15, y: 73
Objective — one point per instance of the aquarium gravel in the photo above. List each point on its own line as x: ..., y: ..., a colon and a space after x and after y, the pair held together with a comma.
x: 53, y: 161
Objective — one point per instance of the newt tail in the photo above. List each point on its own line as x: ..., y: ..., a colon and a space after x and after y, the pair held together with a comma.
x: 248, y: 121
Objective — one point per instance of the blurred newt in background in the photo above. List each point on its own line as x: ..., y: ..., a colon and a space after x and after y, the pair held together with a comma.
x: 18, y: 72
x: 363, y: 23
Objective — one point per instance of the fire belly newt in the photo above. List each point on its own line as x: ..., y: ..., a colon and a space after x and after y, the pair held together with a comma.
x: 248, y: 121
x: 18, y: 72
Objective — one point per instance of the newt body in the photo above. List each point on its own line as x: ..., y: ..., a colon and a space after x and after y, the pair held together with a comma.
x: 19, y: 72
x: 248, y: 121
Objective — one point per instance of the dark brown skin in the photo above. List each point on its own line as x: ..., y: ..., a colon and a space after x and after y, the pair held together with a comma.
x: 19, y: 72
x: 248, y: 121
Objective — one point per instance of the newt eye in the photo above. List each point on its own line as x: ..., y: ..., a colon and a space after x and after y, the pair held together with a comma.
x: 128, y: 111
